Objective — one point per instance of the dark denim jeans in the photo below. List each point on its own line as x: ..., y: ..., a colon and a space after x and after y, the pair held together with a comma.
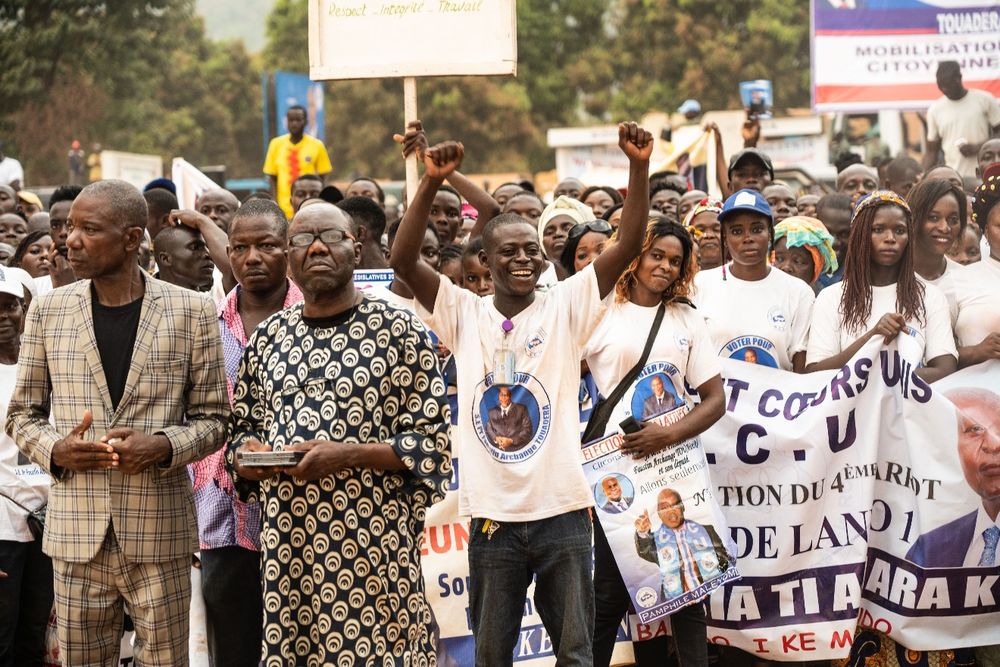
x: 612, y: 601
x: 25, y: 603
x: 557, y: 552
x: 234, y: 607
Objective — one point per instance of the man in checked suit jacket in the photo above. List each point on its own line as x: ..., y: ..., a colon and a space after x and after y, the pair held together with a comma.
x: 132, y: 371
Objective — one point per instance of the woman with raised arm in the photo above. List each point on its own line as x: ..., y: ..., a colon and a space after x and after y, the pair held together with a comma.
x: 682, y: 355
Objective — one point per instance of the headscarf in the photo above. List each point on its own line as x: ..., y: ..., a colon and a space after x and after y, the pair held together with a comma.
x: 878, y: 198
x: 986, y: 196
x: 800, y: 231
x: 563, y: 205
x: 706, y: 205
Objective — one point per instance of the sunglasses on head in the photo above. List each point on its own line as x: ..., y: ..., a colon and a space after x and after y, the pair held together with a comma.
x: 599, y: 226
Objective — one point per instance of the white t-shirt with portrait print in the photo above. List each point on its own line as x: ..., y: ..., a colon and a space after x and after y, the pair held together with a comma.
x: 540, y: 475
x: 830, y: 337
x: 977, y: 290
x: 683, y: 354
x: 759, y: 321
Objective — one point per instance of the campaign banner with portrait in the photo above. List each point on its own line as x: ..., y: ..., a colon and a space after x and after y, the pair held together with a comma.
x: 872, y: 55
x: 857, y: 498
x: 666, y: 531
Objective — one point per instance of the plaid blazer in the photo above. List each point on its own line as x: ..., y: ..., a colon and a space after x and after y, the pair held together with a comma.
x: 176, y: 385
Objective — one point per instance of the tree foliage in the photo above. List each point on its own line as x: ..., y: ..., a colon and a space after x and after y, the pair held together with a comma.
x: 141, y: 75
x: 133, y: 75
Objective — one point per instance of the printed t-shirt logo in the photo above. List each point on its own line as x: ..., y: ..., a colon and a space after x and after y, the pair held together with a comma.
x: 776, y: 316
x: 751, y: 349
x: 511, y: 421
x: 533, y: 344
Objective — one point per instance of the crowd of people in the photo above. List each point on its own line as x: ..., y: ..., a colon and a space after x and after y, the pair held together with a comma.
x: 153, y: 358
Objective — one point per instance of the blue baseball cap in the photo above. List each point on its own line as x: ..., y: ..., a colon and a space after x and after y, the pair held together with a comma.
x: 689, y: 106
x: 746, y: 200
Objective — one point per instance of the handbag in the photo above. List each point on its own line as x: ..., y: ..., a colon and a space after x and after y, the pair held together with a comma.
x: 35, y: 518
x: 598, y: 421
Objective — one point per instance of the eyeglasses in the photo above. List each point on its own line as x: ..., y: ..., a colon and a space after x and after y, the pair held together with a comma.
x: 599, y: 226
x: 328, y: 237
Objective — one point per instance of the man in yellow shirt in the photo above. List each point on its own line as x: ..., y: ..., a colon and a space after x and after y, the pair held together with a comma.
x: 291, y: 155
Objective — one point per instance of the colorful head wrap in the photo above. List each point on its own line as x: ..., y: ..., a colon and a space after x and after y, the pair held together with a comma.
x: 800, y: 231
x: 880, y: 198
x: 705, y: 205
x: 563, y: 205
x: 987, y: 195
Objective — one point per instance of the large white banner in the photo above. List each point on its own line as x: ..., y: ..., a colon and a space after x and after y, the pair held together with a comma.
x: 858, y: 497
x: 870, y: 55
x: 861, y: 497
x: 361, y: 39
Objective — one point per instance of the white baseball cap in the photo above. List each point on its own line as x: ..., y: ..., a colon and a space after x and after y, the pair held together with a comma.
x: 10, y: 282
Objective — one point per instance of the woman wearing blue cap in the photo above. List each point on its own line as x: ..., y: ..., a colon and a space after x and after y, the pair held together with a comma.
x: 755, y: 312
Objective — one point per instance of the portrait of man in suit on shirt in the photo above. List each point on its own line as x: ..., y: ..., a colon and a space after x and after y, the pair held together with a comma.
x: 509, y: 424
x: 972, y: 539
x: 661, y: 401
x: 616, y: 498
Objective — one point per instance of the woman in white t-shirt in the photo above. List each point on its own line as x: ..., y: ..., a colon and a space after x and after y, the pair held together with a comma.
x: 25, y: 572
x: 881, y: 295
x: 939, y: 209
x: 755, y: 312
x: 682, y: 355
x: 978, y: 284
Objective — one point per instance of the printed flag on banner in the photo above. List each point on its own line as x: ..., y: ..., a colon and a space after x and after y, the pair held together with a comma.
x: 662, y: 522
x: 190, y: 181
x: 871, y: 55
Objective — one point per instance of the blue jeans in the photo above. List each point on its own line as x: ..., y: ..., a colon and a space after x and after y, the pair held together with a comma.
x: 557, y: 552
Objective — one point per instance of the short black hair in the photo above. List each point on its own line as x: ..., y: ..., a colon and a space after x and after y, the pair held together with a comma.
x: 447, y: 188
x: 451, y: 253
x: 64, y: 193
x: 266, y: 208
x: 833, y: 201
x: 666, y: 184
x: 159, y: 202
x: 607, y: 214
x: 297, y: 107
x: 394, y: 228
x: 897, y: 168
x: 523, y: 193
x: 472, y: 248
x: 363, y: 211
x: 378, y: 188
x: 307, y: 177
x: 616, y: 196
x: 502, y: 220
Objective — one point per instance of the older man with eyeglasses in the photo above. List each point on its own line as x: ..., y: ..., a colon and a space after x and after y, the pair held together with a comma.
x: 351, y: 383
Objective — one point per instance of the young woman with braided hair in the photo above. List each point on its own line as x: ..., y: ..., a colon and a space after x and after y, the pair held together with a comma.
x: 881, y: 295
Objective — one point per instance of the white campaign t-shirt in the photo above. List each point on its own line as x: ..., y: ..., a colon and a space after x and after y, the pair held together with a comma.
x: 830, y: 337
x: 946, y: 283
x: 970, y: 118
x: 20, y: 479
x: 683, y: 355
x: 977, y: 287
x: 534, y: 471
x: 767, y: 319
